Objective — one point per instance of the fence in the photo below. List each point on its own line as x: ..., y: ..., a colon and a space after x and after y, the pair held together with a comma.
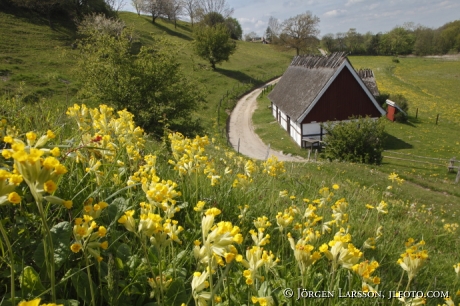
x: 450, y: 164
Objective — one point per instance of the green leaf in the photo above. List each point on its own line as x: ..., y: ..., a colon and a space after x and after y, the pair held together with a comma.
x: 176, y: 295
x: 30, y: 281
x: 81, y: 284
x: 124, y: 252
x: 61, y: 234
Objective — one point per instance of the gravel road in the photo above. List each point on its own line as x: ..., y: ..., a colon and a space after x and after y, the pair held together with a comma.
x: 241, y: 129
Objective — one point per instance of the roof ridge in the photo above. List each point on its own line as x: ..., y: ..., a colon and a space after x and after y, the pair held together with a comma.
x: 311, y: 61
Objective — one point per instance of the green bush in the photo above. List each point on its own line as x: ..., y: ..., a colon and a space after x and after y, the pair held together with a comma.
x: 360, y: 140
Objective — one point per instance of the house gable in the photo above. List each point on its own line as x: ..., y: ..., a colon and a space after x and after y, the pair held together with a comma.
x: 345, y: 95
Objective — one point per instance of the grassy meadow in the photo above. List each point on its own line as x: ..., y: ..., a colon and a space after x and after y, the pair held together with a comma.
x: 95, y: 212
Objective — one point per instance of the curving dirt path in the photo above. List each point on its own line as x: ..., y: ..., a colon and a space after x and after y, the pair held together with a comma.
x: 241, y: 129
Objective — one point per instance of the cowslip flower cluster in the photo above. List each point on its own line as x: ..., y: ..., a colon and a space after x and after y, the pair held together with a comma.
x: 33, y: 164
x: 94, y: 210
x: 152, y: 226
x: 159, y: 193
x: 87, y: 235
x: 303, y: 253
x: 105, y: 133
x: 342, y: 251
x: 364, y: 270
x: 218, y: 240
x: 188, y: 154
x: 414, y: 258
x: 273, y: 167
x: 256, y: 258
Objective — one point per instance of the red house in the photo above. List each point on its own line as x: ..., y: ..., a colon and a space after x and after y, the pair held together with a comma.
x: 316, y: 89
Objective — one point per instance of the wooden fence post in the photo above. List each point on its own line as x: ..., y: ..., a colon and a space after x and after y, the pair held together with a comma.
x: 238, y: 146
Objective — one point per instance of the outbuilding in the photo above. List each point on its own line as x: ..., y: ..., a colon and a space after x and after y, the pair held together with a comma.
x: 316, y: 89
x: 393, y: 109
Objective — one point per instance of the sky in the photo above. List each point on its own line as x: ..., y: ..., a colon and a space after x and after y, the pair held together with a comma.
x: 339, y: 16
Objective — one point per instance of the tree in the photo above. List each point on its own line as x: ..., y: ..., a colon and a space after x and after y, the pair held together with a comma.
x: 153, y: 7
x: 250, y: 36
x: 149, y: 84
x: 173, y: 9
x: 115, y: 5
x: 328, y: 42
x: 137, y: 4
x: 191, y: 6
x: 299, y: 33
x: 213, y: 43
x: 234, y: 28
x: 218, y: 6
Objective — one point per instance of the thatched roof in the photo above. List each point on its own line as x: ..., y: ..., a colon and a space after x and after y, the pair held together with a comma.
x: 305, y: 79
x: 368, y: 78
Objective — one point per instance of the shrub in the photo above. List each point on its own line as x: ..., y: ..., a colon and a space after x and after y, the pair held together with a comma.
x: 360, y: 140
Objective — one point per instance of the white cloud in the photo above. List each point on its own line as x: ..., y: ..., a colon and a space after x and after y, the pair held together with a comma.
x: 335, y: 13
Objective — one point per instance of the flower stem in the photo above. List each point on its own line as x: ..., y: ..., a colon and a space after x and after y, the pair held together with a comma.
x: 10, y: 251
x: 49, y: 250
x: 93, y: 299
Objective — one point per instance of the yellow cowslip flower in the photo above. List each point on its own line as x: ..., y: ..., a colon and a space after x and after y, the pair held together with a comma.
x: 283, y: 193
x: 283, y: 220
x: 76, y: 247
x: 55, y: 152
x: 369, y: 206
x: 335, y: 187
x: 16, y: 179
x: 50, y: 134
x: 14, y: 198
x: 8, y: 139
x: 49, y: 186
x: 199, y: 283
x: 381, y: 207
x: 34, y: 302
x: 262, y: 222
x: 128, y: 221
x: 263, y: 301
x: 213, y: 211
x: 102, y: 231
x: 104, y: 245
x: 457, y: 269
x: 31, y: 137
